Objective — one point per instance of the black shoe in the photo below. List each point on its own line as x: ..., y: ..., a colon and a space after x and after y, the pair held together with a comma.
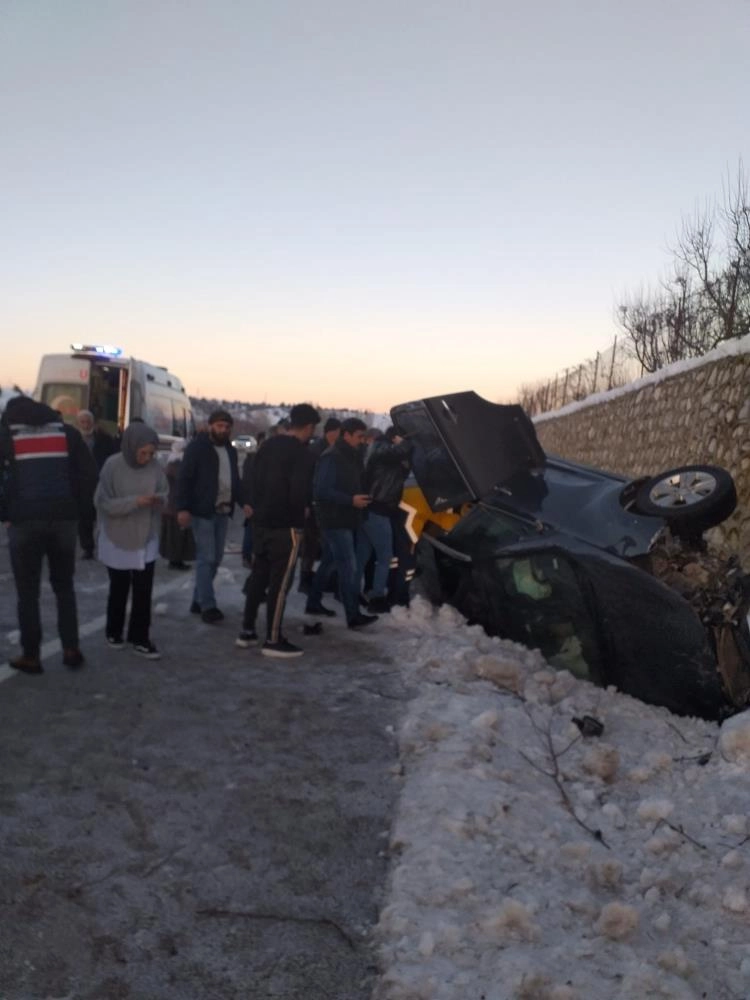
x: 282, y: 649
x: 195, y: 608
x: 178, y: 565
x: 378, y: 606
x: 27, y: 664
x: 212, y: 615
x: 320, y: 609
x: 147, y: 650
x: 73, y: 658
x: 115, y: 642
x: 246, y: 638
x: 359, y: 620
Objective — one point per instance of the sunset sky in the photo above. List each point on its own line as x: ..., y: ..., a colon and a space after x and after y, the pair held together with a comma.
x: 347, y: 202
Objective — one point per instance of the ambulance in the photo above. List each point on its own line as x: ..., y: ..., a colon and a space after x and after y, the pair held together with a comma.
x: 117, y: 390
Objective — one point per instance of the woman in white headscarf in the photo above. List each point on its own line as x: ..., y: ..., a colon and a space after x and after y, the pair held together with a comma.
x: 129, y: 500
x: 177, y: 544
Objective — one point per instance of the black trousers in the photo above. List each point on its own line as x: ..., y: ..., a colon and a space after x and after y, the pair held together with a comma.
x: 275, y: 553
x: 28, y: 543
x: 310, y: 544
x: 120, y: 583
x: 402, y: 574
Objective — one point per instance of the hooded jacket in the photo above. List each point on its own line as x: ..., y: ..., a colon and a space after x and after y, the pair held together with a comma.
x: 121, y: 481
x: 46, y: 471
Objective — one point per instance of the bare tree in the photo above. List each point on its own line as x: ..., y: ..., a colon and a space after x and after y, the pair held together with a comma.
x: 661, y: 324
x: 706, y: 299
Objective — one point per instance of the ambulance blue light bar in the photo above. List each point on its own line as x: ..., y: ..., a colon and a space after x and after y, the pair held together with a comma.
x: 104, y: 350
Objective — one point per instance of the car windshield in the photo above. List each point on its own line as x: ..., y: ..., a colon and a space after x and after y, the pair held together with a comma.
x: 484, y: 530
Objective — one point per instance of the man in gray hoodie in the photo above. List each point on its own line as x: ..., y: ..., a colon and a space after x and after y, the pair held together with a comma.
x: 47, y: 477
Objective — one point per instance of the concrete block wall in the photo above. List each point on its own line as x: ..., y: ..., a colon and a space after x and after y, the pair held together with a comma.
x: 693, y: 413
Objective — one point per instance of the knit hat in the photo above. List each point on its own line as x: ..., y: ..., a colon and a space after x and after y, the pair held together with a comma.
x: 332, y: 424
x: 218, y: 415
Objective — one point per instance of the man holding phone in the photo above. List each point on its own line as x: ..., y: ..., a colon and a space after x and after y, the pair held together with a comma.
x: 339, y: 499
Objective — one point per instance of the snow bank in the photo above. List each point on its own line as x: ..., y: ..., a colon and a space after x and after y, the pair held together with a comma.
x: 532, y: 862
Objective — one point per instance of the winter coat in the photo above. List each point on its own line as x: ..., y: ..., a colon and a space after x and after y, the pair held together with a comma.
x: 46, y: 471
x: 121, y: 482
x: 385, y: 471
x: 198, y: 479
x: 338, y: 478
x: 279, y: 487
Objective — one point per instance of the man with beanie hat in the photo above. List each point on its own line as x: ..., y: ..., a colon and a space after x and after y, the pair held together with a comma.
x: 208, y: 487
x: 47, y: 477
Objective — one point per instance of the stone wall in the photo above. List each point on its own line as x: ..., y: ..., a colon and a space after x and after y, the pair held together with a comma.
x: 696, y: 413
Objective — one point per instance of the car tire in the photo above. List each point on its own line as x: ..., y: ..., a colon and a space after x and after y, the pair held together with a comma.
x: 690, y: 498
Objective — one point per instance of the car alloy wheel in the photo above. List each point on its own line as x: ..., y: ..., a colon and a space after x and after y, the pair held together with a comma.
x: 691, y: 496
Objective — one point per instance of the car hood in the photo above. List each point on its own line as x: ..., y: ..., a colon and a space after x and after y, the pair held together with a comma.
x: 464, y: 445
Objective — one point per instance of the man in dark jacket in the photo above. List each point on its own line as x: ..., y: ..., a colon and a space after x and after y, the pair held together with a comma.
x: 339, y: 499
x: 47, y: 476
x: 279, y: 493
x: 208, y: 487
x: 101, y: 445
x: 386, y: 469
x: 311, y: 537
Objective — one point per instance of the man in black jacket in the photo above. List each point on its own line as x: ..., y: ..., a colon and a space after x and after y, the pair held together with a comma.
x: 101, y: 445
x: 340, y: 498
x: 279, y: 494
x: 311, y: 547
x: 47, y: 477
x: 208, y: 487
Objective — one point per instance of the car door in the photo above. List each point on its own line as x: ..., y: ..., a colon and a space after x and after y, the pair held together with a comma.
x: 464, y: 445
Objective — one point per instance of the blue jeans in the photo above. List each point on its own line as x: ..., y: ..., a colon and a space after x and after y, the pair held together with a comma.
x: 210, y: 534
x: 28, y: 543
x: 375, y: 534
x: 338, y: 554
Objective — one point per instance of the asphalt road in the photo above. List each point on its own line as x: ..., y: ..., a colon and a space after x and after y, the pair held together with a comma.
x: 211, y: 825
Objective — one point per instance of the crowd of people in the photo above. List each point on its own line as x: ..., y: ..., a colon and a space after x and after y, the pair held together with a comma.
x: 327, y: 506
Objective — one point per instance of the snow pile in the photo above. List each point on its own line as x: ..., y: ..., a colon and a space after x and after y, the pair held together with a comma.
x: 532, y: 861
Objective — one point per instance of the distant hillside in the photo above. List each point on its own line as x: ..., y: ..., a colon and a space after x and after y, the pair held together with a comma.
x: 249, y: 418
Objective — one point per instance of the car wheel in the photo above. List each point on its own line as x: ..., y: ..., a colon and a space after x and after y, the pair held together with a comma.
x: 690, y: 498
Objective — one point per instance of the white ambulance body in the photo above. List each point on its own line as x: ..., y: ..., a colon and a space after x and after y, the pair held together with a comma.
x: 116, y: 389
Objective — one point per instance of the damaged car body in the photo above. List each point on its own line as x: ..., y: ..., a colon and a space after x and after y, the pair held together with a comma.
x: 609, y: 578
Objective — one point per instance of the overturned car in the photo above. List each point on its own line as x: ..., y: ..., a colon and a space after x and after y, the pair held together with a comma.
x: 610, y: 578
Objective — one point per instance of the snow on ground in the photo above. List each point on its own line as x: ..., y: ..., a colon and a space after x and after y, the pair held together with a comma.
x: 530, y: 861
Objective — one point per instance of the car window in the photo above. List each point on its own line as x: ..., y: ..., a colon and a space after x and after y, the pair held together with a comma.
x: 537, y: 600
